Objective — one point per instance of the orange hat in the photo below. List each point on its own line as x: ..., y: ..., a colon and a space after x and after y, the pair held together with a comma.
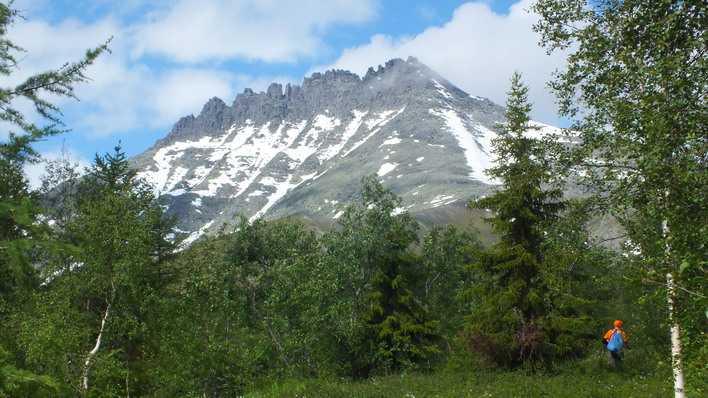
x: 618, y: 323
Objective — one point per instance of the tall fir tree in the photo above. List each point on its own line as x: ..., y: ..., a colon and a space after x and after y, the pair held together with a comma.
x: 513, y: 319
x: 635, y: 88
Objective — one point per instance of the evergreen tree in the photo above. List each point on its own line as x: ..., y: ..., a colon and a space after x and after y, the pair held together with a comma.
x: 512, y: 319
x: 635, y: 88
x: 404, y: 334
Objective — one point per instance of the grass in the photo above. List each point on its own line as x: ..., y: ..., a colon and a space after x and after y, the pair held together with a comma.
x: 589, y: 378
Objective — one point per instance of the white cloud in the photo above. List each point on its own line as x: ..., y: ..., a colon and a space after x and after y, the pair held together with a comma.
x: 122, y: 94
x: 49, y: 47
x: 477, y: 49
x: 109, y: 102
x: 129, y: 91
x: 122, y: 98
x: 266, y: 30
x: 184, y: 91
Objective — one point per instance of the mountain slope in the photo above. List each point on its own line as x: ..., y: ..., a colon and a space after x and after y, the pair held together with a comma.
x: 303, y: 149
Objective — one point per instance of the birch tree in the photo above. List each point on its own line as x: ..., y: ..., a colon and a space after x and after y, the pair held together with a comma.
x: 635, y: 86
x: 115, y: 229
x: 89, y: 324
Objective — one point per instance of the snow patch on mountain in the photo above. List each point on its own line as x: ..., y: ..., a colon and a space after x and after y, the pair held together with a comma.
x: 325, y: 123
x: 347, y: 134
x: 162, y: 176
x: 391, y: 141
x: 440, y: 200
x: 280, y: 189
x: 192, y: 237
x: 374, y: 126
x: 386, y: 168
x: 477, y: 159
x: 442, y: 90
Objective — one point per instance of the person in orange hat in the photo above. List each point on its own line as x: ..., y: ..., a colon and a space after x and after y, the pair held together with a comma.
x: 615, y: 340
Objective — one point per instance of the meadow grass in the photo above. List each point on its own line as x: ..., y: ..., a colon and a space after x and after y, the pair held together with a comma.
x: 587, y: 378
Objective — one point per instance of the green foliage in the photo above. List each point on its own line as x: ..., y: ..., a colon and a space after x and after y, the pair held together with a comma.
x: 272, y: 299
x: 634, y: 87
x: 269, y: 261
x: 405, y: 336
x: 517, y: 314
x: 378, y: 319
x: 200, y: 345
x: 24, y: 237
x: 18, y: 383
x: 98, y: 303
x: 525, y: 204
x: 234, y: 312
x: 446, y: 252
x: 91, y: 316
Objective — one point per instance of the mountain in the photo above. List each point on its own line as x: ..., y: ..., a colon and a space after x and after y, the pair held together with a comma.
x: 302, y: 150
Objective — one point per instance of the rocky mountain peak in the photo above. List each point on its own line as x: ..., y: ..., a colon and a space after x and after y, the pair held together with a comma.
x: 339, y: 90
x: 400, y: 68
x: 303, y: 149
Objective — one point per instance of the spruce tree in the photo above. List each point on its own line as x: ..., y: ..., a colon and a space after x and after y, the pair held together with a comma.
x: 404, y: 334
x: 511, y: 319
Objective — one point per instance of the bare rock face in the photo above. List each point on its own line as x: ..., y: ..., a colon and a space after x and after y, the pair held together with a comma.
x: 304, y: 149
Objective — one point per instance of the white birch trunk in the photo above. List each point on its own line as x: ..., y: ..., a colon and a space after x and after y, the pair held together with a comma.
x: 675, y: 341
x: 91, y: 354
x: 676, y: 364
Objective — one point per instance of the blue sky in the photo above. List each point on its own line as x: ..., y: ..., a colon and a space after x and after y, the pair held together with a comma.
x: 169, y: 57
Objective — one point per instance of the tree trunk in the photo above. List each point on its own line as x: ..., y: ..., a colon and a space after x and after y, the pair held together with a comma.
x: 675, y: 340
x: 92, y: 353
x: 675, y: 329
